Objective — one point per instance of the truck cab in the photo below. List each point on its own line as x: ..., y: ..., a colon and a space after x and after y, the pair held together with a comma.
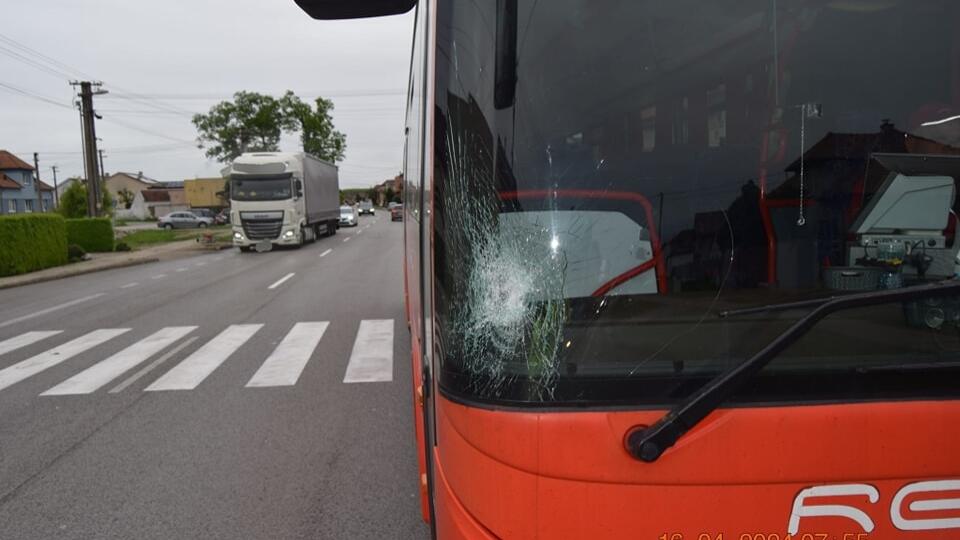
x: 281, y: 198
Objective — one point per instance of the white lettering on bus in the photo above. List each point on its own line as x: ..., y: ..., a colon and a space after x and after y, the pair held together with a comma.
x: 801, y: 509
x: 840, y: 490
x: 933, y: 486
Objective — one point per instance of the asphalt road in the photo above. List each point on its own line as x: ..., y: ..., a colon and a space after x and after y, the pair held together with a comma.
x: 225, y: 430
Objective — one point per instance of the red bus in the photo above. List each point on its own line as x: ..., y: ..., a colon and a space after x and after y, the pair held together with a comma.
x: 683, y: 270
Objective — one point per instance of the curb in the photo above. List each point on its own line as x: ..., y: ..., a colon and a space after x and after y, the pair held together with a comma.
x: 40, y: 279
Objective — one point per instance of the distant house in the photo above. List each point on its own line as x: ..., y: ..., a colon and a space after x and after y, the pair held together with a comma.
x: 205, y: 192
x: 393, y: 186
x: 131, y: 183
x: 65, y: 184
x: 18, y: 188
x: 160, y: 201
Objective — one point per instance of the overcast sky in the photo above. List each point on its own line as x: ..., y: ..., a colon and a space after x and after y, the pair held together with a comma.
x: 163, y: 61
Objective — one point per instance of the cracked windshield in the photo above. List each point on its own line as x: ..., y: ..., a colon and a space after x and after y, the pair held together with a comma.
x: 480, y: 269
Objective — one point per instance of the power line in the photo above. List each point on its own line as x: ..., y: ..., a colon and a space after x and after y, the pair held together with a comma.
x: 57, y: 68
x: 33, y: 63
x: 50, y: 60
x: 147, y: 131
x: 25, y: 93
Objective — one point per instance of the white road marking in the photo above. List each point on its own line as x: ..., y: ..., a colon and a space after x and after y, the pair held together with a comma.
x: 128, y: 285
x: 45, y: 360
x: 50, y: 309
x: 159, y: 276
x: 347, y: 239
x: 360, y: 231
x: 280, y: 281
x: 184, y: 269
x: 23, y: 340
x: 372, y: 356
x: 201, y: 264
x: 325, y: 253
x: 188, y: 374
x: 99, y: 375
x: 152, y: 365
x: 285, y: 364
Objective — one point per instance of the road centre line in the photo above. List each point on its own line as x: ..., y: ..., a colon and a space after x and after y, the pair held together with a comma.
x: 159, y: 276
x: 51, y: 309
x: 325, y: 253
x: 281, y: 280
x: 184, y: 269
x: 347, y: 239
x: 150, y: 367
x: 128, y: 285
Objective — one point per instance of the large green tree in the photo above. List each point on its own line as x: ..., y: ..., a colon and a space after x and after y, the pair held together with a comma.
x: 317, y: 136
x: 254, y: 122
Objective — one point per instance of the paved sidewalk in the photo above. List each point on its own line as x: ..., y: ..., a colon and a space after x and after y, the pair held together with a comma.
x: 107, y: 261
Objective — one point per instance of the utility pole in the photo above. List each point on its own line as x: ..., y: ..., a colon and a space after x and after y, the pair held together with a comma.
x: 89, y: 89
x: 56, y: 192
x: 36, y: 182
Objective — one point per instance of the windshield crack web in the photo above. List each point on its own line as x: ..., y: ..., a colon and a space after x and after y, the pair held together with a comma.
x: 509, y: 312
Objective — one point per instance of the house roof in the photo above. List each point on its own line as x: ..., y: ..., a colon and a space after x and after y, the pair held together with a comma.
x: 10, y: 161
x: 8, y: 183
x: 156, y: 195
x: 135, y: 176
x: 45, y: 186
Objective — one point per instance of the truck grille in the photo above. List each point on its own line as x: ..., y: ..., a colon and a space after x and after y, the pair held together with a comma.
x: 261, y: 229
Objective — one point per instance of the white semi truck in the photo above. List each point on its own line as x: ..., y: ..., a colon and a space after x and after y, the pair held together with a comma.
x: 282, y: 198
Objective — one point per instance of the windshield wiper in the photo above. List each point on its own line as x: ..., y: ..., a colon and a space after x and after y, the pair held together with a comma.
x: 650, y: 443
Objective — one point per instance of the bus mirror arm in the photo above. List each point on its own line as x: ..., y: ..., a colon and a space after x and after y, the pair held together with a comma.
x: 649, y: 443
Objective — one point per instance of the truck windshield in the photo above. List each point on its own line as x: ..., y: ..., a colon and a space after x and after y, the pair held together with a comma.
x: 653, y: 164
x: 260, y: 189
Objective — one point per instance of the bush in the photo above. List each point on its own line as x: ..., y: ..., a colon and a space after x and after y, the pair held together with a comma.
x: 122, y: 246
x: 93, y: 234
x: 75, y: 253
x: 31, y: 242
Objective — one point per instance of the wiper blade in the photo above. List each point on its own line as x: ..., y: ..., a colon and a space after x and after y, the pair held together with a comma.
x: 650, y: 443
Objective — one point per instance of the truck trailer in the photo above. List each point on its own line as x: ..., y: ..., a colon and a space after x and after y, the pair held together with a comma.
x: 282, y: 198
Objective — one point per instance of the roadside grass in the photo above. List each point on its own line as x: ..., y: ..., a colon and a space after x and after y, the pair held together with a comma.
x: 143, y: 238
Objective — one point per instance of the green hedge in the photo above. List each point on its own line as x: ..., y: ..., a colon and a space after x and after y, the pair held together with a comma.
x: 92, y: 234
x: 31, y: 242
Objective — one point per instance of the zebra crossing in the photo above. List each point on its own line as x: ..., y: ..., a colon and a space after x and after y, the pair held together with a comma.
x: 371, y: 359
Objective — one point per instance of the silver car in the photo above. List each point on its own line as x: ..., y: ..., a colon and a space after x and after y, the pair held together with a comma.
x: 349, y: 216
x: 183, y: 220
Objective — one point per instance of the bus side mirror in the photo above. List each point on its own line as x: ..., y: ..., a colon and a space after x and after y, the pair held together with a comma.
x: 299, y: 187
x: 354, y: 9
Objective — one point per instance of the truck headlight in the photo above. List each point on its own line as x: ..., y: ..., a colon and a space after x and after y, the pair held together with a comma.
x: 288, y: 234
x: 237, y: 236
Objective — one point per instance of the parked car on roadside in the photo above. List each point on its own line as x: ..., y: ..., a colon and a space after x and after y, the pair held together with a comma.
x: 349, y: 216
x: 204, y: 212
x: 366, y: 207
x: 396, y: 213
x: 183, y: 220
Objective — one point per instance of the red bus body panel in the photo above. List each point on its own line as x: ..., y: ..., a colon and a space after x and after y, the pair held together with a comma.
x: 567, y: 474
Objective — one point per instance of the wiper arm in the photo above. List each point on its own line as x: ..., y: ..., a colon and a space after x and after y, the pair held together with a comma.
x: 650, y: 443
